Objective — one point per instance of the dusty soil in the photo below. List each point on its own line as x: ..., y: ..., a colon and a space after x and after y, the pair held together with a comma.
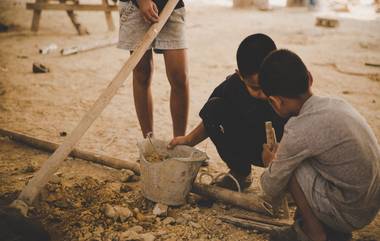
x: 43, y: 105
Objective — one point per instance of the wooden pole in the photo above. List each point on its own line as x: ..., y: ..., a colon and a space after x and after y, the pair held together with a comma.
x: 32, y: 189
x: 36, y: 17
x: 244, y: 200
x: 85, y: 155
x: 248, y: 224
x: 81, y: 30
x: 109, y: 20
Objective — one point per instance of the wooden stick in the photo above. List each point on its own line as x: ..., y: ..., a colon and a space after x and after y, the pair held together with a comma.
x: 36, y: 16
x: 32, y: 189
x: 81, y: 30
x: 248, y: 224
x: 244, y: 200
x: 88, y: 47
x: 67, y: 7
x: 264, y: 219
x: 109, y: 20
x: 85, y: 155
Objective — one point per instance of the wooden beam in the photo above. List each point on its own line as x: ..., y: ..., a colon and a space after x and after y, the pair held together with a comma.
x: 248, y: 224
x: 111, y: 26
x: 73, y: 17
x: 85, y: 155
x: 264, y: 219
x: 247, y: 201
x: 70, y: 7
x: 36, y: 17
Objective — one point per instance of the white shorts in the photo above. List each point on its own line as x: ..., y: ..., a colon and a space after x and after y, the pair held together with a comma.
x: 133, y: 27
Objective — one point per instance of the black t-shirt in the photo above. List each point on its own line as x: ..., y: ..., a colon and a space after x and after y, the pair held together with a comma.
x: 161, y: 4
x: 252, y: 112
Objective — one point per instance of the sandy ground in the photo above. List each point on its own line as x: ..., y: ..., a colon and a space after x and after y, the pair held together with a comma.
x: 43, y: 105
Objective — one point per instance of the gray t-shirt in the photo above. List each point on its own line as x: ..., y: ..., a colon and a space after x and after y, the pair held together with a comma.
x: 339, y: 144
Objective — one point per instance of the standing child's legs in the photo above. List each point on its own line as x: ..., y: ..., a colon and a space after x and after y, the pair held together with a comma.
x: 176, y: 71
x: 142, y: 78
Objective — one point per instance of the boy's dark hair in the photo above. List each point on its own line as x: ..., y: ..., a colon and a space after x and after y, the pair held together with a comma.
x: 251, y: 53
x: 283, y: 74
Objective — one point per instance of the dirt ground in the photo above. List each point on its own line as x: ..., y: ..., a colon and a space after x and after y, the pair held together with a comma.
x: 43, y: 105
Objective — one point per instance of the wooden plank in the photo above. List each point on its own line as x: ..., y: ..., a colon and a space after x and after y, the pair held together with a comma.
x: 73, y: 17
x: 109, y: 20
x: 85, y: 155
x: 72, y: 7
x: 264, y: 219
x: 248, y: 224
x: 39, y: 180
x: 36, y: 17
x: 247, y: 201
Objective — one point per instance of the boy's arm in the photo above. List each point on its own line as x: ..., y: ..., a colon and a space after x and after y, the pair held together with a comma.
x: 149, y: 10
x: 292, y: 151
x: 196, y: 136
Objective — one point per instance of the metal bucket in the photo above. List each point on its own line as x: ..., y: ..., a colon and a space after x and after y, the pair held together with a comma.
x: 168, y: 181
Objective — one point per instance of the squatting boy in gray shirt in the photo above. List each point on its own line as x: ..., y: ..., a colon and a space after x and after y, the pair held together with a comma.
x: 328, y: 158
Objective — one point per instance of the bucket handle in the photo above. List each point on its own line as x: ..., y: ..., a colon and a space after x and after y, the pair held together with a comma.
x: 215, y: 179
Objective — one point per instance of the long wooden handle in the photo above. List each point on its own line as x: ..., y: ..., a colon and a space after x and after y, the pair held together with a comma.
x: 270, y: 133
x: 32, y: 189
x: 82, y: 154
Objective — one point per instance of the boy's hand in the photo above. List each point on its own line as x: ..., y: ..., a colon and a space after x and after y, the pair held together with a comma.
x: 179, y: 140
x: 149, y: 10
x: 268, y: 154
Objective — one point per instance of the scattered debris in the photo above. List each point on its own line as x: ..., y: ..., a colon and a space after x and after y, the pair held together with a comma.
x: 160, y: 210
x: 117, y: 212
x: 127, y: 175
x: 88, y: 47
x: 4, y: 28
x: 125, y: 188
x: 372, y: 64
x: 137, y: 229
x: 3, y: 69
x: 326, y: 22
x: 169, y: 221
x: 39, y: 68
x: 48, y: 49
x: 63, y: 133
x: 22, y: 57
x: 31, y: 167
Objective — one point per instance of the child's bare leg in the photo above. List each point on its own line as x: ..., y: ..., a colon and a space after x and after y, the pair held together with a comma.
x: 142, y: 78
x: 176, y: 71
x: 311, y: 225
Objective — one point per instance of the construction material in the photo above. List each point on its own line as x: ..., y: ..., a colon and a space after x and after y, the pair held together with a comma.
x: 264, y: 219
x: 88, y: 47
x: 326, y: 22
x: 372, y: 64
x: 248, y: 224
x: 272, y: 142
x: 69, y: 6
x: 39, y: 68
x: 48, y: 49
x: 85, y: 155
x: 246, y: 201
